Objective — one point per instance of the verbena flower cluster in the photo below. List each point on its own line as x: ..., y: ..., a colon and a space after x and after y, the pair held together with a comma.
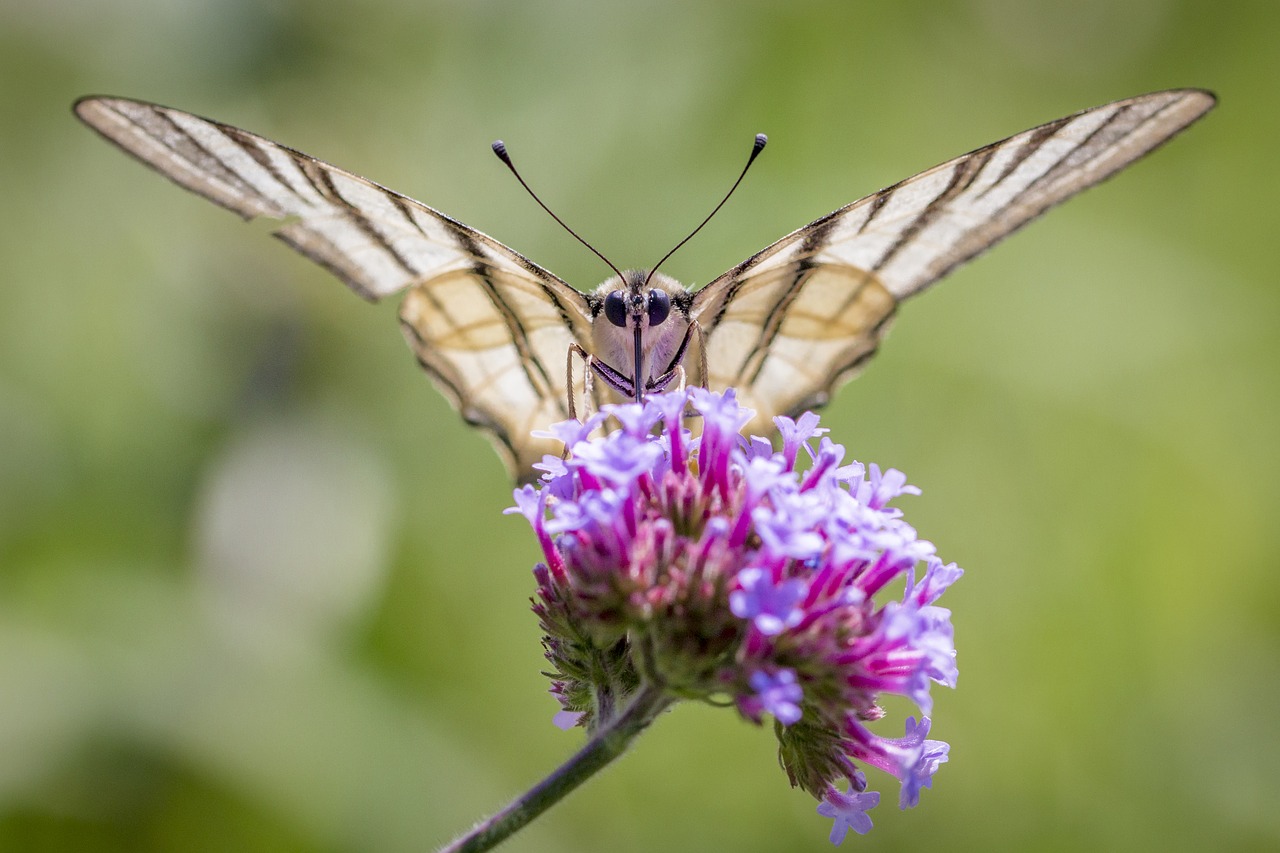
x: 713, y: 568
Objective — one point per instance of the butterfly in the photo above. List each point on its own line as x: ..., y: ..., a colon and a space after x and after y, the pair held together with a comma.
x: 784, y: 328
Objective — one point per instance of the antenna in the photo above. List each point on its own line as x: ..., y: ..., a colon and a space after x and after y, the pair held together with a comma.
x: 500, y: 148
x: 756, y: 147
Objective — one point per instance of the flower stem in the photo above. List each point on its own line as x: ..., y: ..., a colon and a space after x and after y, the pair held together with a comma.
x: 606, y: 743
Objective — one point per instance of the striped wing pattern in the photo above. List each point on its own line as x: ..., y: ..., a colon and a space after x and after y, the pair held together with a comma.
x: 784, y: 328
x: 799, y: 318
x: 491, y: 327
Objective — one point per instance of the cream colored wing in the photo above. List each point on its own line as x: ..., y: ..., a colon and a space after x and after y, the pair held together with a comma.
x: 491, y: 327
x: 794, y: 321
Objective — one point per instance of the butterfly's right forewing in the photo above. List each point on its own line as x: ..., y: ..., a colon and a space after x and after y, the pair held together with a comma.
x: 489, y: 325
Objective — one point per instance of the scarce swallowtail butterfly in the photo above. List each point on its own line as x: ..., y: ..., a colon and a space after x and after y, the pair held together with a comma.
x: 784, y: 328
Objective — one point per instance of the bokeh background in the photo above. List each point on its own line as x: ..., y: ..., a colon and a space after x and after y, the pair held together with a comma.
x: 256, y: 593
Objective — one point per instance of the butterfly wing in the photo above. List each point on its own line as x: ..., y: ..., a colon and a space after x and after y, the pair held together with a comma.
x: 799, y: 318
x: 491, y: 327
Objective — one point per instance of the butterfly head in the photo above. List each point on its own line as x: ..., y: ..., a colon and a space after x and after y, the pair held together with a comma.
x: 640, y: 322
x: 631, y: 307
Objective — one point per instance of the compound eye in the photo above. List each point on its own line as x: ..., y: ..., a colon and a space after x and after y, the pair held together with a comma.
x: 615, y: 308
x: 659, y: 307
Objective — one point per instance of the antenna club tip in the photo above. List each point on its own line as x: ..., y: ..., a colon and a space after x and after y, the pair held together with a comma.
x: 500, y: 148
x: 761, y: 141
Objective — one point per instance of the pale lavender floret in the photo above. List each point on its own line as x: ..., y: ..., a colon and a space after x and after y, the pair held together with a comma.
x: 620, y: 458
x: 790, y: 527
x: 605, y: 510
x: 761, y: 473
x: 758, y: 447
x: 674, y: 438
x: 880, y: 488
x: 900, y: 623
x: 771, y: 608
x: 936, y: 640
x: 551, y: 466
x: 670, y: 407
x: 636, y: 419
x: 935, y: 752
x: 937, y: 578
x: 849, y: 811
x: 528, y: 503
x: 918, y: 690
x: 826, y: 460
x: 572, y: 431
x: 778, y: 694
x: 933, y: 647
x: 918, y: 773
x: 532, y: 504
x: 567, y: 516
x: 852, y: 548
x: 901, y: 549
x: 721, y: 413
x: 783, y: 538
x: 722, y: 419
x: 796, y: 433
x: 848, y: 473
x: 597, y: 509
x: 565, y: 720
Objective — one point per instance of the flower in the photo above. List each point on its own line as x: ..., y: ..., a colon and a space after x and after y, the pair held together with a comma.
x: 714, y: 568
x: 771, y: 608
x: 778, y: 694
x: 849, y: 810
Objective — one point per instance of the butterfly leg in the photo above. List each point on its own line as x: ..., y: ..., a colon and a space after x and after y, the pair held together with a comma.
x: 676, y: 367
x: 588, y: 383
x: 616, y: 380
x: 703, y: 375
x: 594, y: 367
x: 681, y: 377
x: 574, y: 349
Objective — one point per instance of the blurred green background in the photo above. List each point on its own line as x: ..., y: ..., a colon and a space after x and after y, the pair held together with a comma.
x: 255, y: 590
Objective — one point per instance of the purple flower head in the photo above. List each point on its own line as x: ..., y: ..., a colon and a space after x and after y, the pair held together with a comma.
x: 709, y: 567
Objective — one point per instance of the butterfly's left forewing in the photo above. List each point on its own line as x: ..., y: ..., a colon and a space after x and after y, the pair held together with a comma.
x: 789, y: 324
x: 490, y: 326
x: 497, y: 343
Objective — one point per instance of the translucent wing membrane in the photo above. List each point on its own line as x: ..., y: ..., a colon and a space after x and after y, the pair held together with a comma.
x: 490, y: 326
x: 497, y: 344
x: 797, y: 319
